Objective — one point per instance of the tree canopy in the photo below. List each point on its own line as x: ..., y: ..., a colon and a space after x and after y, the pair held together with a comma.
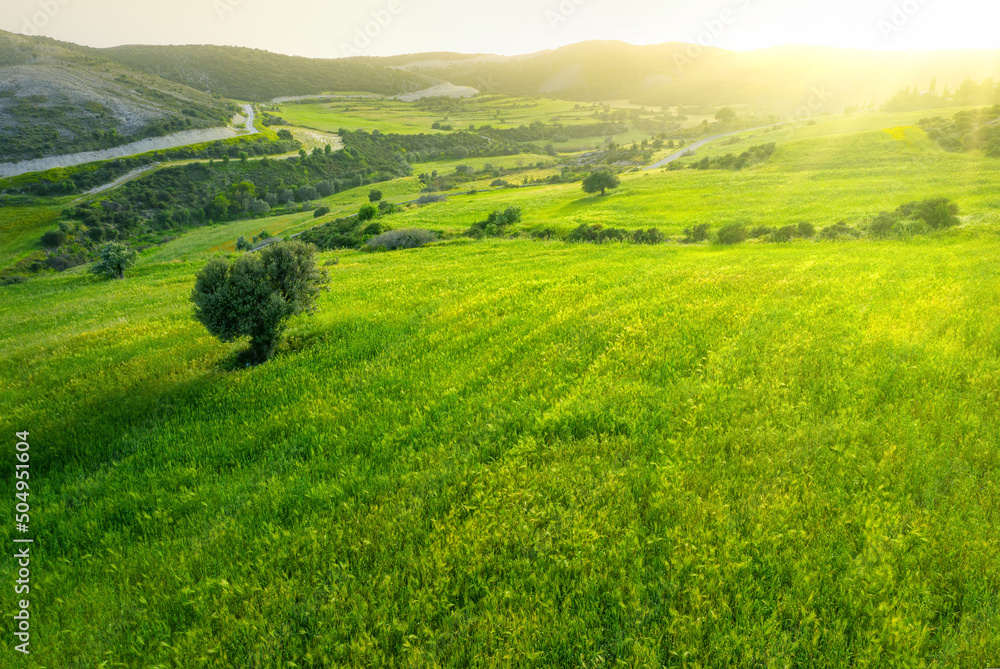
x: 600, y: 182
x: 115, y: 258
x: 256, y: 295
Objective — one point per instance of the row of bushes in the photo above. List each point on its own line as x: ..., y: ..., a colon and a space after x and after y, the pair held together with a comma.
x: 365, y: 232
x: 910, y: 219
x: 752, y: 156
x: 177, y: 198
x: 455, y: 146
x: 538, y: 131
x: 913, y: 218
x: 597, y: 234
x: 967, y: 131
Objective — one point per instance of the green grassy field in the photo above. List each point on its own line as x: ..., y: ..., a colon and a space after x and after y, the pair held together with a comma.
x: 838, y: 169
x: 393, y: 116
x: 822, y: 179
x: 533, y: 454
x: 528, y: 454
x: 21, y: 228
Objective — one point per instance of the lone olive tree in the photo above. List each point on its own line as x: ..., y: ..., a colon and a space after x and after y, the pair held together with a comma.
x: 256, y: 295
x: 600, y: 182
x: 115, y: 258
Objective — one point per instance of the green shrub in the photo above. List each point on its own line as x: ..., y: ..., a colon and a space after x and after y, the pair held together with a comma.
x: 883, y: 224
x: 115, y: 258
x: 931, y: 214
x: 256, y: 295
x: 697, y: 233
x: 600, y: 182
x: 320, y: 212
x: 732, y: 233
x: 259, y: 208
x: 430, y: 199
x: 651, y: 236
x: 839, y: 230
x: 910, y: 228
x: 53, y: 239
x: 598, y: 234
x: 367, y: 213
x: 395, y: 240
x: 785, y: 234
x: 584, y: 233
x: 937, y: 213
x: 497, y: 224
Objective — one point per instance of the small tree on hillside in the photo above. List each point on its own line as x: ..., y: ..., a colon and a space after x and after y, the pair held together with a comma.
x: 115, y: 258
x: 375, y: 196
x: 256, y: 295
x: 733, y: 233
x: 726, y: 114
x: 600, y: 182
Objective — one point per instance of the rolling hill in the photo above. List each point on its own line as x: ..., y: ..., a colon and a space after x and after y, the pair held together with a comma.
x: 56, y: 99
x: 787, y: 78
x: 252, y: 74
x: 526, y: 453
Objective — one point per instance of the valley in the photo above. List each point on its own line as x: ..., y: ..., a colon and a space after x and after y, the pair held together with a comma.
x: 738, y: 409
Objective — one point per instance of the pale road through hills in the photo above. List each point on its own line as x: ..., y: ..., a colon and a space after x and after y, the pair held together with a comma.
x: 172, y: 141
x: 702, y: 142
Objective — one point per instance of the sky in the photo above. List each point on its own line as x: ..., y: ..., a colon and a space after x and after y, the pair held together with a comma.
x: 338, y: 28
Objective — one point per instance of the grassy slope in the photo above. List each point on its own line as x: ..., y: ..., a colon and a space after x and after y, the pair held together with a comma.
x: 817, y: 177
x: 823, y: 173
x: 519, y: 453
x: 21, y: 229
x: 542, y: 452
x: 392, y: 116
x: 840, y: 169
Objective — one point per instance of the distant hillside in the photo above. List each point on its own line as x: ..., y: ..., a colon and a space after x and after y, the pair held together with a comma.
x: 792, y: 78
x: 55, y: 99
x: 255, y: 75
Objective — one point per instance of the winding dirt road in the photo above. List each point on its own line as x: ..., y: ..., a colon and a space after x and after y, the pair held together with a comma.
x: 700, y: 143
x: 172, y: 141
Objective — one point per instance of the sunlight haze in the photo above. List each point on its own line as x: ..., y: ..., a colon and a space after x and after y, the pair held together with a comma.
x: 334, y: 29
